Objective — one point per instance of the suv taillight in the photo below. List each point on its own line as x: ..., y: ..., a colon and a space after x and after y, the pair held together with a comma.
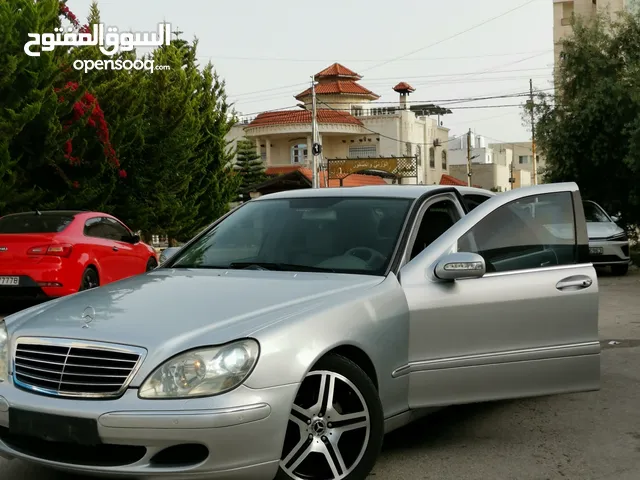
x: 52, y: 250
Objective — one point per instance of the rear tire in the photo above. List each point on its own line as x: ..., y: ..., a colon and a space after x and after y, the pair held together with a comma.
x: 152, y: 264
x: 90, y: 279
x: 345, y: 431
x: 619, y: 270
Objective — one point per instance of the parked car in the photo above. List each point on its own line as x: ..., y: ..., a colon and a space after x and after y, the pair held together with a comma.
x: 56, y: 253
x: 608, y: 242
x: 288, y: 337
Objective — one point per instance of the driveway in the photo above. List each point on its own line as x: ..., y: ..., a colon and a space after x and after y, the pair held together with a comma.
x: 593, y: 436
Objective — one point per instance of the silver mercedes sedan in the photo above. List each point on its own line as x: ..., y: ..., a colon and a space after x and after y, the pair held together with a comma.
x: 287, y: 338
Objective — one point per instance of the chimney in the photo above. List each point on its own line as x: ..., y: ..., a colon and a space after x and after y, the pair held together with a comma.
x: 404, y: 89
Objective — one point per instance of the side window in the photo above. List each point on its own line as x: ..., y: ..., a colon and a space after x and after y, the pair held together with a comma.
x: 114, y: 230
x: 472, y: 201
x: 532, y: 232
x: 438, y: 218
x: 94, y: 228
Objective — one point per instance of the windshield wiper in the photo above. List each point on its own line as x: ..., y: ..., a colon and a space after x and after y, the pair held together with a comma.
x: 279, y: 267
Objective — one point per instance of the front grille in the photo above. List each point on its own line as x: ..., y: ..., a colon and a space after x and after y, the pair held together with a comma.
x: 74, y: 370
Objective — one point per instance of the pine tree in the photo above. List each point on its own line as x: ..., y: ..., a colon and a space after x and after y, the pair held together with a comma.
x: 28, y: 104
x: 249, y: 165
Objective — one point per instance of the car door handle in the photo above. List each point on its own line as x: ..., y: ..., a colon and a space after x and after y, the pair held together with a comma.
x: 577, y: 282
x: 115, y: 249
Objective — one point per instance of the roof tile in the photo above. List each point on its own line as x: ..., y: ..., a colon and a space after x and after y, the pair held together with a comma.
x: 287, y: 117
x: 355, y: 180
x: 339, y: 87
x: 337, y: 70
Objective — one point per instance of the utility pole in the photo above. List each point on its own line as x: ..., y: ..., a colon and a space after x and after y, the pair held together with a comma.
x: 534, y: 163
x: 469, y: 158
x: 314, y: 133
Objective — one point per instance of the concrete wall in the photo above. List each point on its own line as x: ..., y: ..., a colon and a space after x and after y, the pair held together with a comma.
x: 488, y: 176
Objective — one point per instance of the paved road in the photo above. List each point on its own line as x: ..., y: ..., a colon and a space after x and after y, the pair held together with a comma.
x: 593, y: 436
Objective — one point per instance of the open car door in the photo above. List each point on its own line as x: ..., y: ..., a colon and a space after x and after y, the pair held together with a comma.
x: 522, y: 321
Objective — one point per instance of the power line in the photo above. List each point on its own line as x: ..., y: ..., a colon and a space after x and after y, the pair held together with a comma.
x: 431, y: 83
x: 452, y: 36
x: 441, y: 102
x: 361, y: 60
x: 374, y: 80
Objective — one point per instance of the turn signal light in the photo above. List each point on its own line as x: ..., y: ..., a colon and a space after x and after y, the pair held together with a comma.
x: 52, y: 250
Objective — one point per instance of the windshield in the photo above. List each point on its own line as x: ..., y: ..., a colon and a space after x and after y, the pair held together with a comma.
x: 594, y: 214
x: 46, y: 223
x: 343, y: 235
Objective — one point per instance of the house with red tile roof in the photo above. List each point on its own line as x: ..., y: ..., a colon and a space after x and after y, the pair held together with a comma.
x: 390, y: 142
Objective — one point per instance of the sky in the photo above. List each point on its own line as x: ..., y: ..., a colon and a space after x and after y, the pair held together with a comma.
x: 267, y: 51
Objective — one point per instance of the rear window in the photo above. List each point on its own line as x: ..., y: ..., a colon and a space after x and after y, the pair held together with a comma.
x: 46, y: 223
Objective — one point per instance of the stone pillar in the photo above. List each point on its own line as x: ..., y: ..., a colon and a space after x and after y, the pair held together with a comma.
x: 258, y: 149
x: 309, y: 154
x: 267, y: 145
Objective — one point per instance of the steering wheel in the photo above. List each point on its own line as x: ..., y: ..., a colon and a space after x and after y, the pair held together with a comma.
x: 369, y: 254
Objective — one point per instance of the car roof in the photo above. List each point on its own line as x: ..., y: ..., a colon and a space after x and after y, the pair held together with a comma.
x: 49, y: 212
x: 382, y: 191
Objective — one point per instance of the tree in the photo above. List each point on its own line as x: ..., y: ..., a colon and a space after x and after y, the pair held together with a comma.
x: 249, y: 165
x: 55, y: 148
x: 590, y: 130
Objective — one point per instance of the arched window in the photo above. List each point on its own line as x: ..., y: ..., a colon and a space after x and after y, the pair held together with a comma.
x: 419, y: 154
x: 444, y: 159
x: 409, y: 150
x: 432, y: 157
x: 299, y: 153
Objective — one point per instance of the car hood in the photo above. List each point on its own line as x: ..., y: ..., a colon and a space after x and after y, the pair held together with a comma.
x: 603, y: 229
x: 167, y: 311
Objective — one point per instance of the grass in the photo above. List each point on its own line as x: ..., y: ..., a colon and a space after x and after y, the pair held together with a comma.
x: 635, y: 255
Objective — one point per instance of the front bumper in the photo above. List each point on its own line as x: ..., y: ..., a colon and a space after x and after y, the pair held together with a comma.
x: 238, y: 435
x: 613, y: 252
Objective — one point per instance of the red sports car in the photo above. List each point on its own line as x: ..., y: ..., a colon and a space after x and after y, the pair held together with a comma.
x: 52, y: 254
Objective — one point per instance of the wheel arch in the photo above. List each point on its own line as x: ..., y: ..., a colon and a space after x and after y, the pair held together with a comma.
x: 357, y: 356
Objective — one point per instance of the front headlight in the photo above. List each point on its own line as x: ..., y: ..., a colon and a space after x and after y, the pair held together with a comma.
x: 4, y: 352
x: 618, y: 237
x: 202, y: 372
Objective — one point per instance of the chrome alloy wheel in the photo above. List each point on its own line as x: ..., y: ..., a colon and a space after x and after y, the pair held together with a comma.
x: 328, y: 431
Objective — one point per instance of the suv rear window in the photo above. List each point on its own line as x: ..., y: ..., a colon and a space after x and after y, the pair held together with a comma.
x: 45, y: 223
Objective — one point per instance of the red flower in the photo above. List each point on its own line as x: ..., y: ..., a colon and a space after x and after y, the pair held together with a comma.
x: 76, y: 184
x: 122, y: 174
x: 68, y: 147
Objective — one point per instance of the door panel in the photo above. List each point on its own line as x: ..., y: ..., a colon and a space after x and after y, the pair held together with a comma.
x: 102, y: 248
x: 127, y: 260
x: 529, y: 327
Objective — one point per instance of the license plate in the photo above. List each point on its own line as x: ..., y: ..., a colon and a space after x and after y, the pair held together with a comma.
x: 595, y: 250
x: 9, y: 281
x: 54, y: 428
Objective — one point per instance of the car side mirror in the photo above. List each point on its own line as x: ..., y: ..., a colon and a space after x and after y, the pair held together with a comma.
x: 615, y: 218
x: 456, y: 266
x: 134, y: 239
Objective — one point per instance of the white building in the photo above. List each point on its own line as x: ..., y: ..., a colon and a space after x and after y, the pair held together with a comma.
x: 395, y: 143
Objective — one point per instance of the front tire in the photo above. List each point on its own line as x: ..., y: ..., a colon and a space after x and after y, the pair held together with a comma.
x: 619, y: 270
x: 336, y: 426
